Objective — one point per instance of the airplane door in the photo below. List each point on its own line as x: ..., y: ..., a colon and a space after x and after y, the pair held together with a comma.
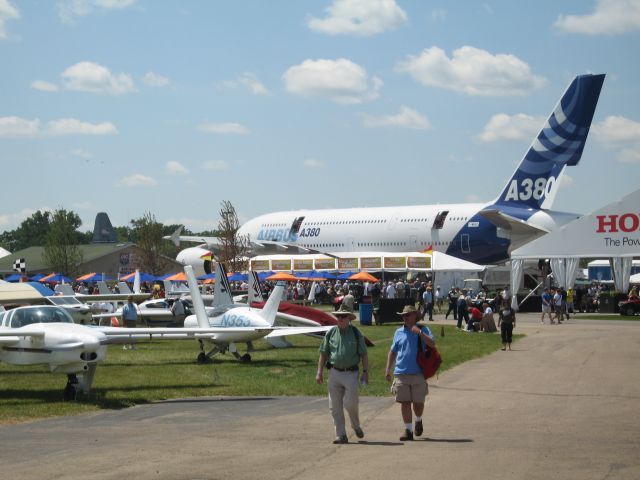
x: 413, y: 242
x: 351, y: 244
x: 464, y: 243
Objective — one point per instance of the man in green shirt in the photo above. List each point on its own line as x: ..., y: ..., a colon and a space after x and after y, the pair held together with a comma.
x: 343, y: 346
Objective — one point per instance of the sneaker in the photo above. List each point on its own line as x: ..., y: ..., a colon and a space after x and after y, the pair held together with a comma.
x: 341, y: 440
x: 418, y: 428
x: 408, y: 435
x: 359, y: 432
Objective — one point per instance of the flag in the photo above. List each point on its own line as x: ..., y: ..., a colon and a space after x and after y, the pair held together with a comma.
x: 20, y: 265
x: 207, y: 256
x: 428, y: 250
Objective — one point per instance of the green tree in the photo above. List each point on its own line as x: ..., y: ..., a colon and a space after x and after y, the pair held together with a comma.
x: 31, y: 232
x: 147, y: 233
x: 61, y: 252
x: 234, y: 248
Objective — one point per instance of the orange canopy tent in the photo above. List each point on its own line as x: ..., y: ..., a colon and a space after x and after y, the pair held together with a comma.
x: 178, y: 277
x: 363, y: 277
x: 82, y: 278
x: 283, y: 276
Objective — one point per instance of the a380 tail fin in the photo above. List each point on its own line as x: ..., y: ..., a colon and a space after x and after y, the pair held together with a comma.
x: 559, y: 144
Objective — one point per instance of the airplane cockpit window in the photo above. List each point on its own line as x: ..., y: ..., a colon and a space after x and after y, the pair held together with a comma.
x: 438, y: 223
x: 27, y: 316
x: 2, y: 314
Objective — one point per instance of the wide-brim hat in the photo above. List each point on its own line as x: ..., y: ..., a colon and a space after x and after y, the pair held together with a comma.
x: 408, y: 309
x: 343, y: 313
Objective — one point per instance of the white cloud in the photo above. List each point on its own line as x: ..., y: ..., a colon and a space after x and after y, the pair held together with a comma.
x: 472, y: 71
x: 616, y: 131
x: 174, y: 167
x: 609, y: 17
x: 630, y: 155
x: 247, y: 80
x: 340, y: 80
x: 69, y: 10
x: 405, y: 118
x: 137, y: 180
x: 18, y: 127
x: 565, y: 180
x: 155, y: 80
x: 511, y: 127
x: 11, y: 221
x: 251, y: 82
x: 229, y: 128
x: 44, y: 86
x: 85, y: 206
x: 71, y: 126
x: 359, y: 17
x: 7, y: 12
x: 94, y: 78
x: 313, y: 163
x: 215, y: 165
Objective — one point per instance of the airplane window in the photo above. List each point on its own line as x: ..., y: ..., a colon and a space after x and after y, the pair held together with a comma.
x: 28, y: 316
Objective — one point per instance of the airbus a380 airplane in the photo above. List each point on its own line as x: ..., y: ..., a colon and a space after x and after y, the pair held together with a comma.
x: 483, y: 233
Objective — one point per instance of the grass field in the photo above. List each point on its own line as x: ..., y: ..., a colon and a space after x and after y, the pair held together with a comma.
x: 165, y: 370
x: 605, y: 316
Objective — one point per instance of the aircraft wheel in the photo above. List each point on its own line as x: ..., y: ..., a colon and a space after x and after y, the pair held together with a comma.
x: 69, y: 393
x: 246, y: 358
x: 202, y: 358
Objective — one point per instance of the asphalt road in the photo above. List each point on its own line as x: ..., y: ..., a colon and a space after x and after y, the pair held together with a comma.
x: 564, y: 404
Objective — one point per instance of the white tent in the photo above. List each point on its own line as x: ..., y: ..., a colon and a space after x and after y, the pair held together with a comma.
x: 612, y: 231
x: 635, y: 278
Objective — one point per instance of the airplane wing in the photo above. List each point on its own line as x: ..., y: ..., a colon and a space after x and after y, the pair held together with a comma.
x: 294, y: 320
x: 513, y: 224
x: 176, y: 238
x: 9, y: 336
x: 125, y: 335
x: 113, y: 297
x: 285, y: 331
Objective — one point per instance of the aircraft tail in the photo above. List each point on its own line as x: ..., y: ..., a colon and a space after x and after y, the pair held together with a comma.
x: 270, y: 308
x: 124, y: 288
x: 222, y: 288
x: 103, y: 289
x: 255, y: 290
x: 136, y: 281
x: 196, y: 298
x: 559, y: 144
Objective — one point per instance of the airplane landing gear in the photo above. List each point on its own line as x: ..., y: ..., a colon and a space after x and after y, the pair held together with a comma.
x: 70, y: 389
x: 202, y: 358
x: 246, y: 358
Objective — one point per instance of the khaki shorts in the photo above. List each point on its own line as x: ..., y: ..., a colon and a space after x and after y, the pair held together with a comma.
x: 410, y: 388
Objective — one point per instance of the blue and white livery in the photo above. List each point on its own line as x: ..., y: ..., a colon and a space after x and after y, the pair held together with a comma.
x: 483, y: 233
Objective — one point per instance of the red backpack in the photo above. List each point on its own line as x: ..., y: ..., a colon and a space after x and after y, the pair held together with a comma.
x: 429, y: 360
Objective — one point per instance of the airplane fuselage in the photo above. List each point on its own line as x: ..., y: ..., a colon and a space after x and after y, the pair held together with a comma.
x: 455, y: 229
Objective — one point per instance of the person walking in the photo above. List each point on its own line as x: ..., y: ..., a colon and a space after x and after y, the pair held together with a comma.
x: 452, y: 296
x: 506, y: 323
x: 129, y: 319
x: 409, y: 385
x: 341, y: 351
x: 427, y: 300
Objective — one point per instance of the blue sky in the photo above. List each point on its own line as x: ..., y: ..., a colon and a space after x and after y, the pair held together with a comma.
x: 129, y: 106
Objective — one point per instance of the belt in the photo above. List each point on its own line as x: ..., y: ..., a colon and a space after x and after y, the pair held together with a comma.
x: 348, y: 369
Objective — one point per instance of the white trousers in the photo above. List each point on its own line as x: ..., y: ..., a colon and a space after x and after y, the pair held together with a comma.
x: 343, y: 395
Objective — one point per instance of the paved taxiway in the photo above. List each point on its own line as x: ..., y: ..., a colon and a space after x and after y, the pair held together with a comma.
x: 563, y: 405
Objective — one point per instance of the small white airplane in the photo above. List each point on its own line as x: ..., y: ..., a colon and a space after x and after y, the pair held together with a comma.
x: 483, y: 233
x: 47, y: 335
x: 232, y: 316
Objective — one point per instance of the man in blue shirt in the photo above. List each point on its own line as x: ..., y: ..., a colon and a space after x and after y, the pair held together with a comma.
x: 409, y: 386
x: 129, y: 319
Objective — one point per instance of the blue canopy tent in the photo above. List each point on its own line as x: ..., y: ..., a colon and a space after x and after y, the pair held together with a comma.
x: 55, y: 278
x: 262, y: 276
x: 13, y: 278
x: 37, y: 277
x: 96, y: 277
x: 207, y: 276
x: 323, y: 274
x: 346, y: 275
x: 144, y: 277
x: 238, y: 277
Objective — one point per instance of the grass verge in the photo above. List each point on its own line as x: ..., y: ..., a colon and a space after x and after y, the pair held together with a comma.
x: 165, y: 370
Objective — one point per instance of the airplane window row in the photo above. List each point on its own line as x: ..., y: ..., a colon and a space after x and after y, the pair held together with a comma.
x: 383, y: 244
x: 344, y: 222
x: 268, y: 225
x: 406, y: 220
x: 323, y: 245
